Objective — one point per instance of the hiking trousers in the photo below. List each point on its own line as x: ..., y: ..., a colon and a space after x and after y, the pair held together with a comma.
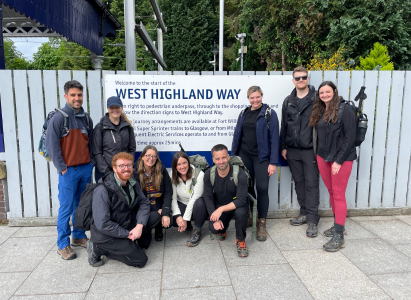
x: 199, y: 215
x: 71, y: 185
x: 240, y: 215
x: 304, y: 169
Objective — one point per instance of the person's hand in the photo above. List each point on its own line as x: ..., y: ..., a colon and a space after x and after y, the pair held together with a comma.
x: 335, y: 168
x: 284, y: 153
x: 272, y: 169
x: 218, y: 225
x: 182, y: 224
x: 215, y: 216
x: 165, y: 220
x: 159, y: 211
x: 64, y: 172
x: 136, y: 232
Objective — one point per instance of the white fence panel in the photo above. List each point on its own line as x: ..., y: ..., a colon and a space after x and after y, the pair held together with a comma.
x: 63, y: 77
x: 394, y: 122
x: 10, y: 144
x: 273, y: 192
x: 80, y: 76
x: 51, y: 100
x: 405, y: 146
x: 41, y: 168
x: 380, y: 133
x: 25, y: 143
x: 285, y: 188
x: 364, y: 164
x: 94, y: 88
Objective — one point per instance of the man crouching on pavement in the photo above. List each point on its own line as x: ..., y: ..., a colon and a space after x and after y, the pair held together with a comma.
x: 122, y: 219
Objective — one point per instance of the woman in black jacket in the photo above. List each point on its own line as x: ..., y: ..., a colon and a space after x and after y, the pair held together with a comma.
x: 114, y: 134
x: 156, y: 185
x: 335, y: 154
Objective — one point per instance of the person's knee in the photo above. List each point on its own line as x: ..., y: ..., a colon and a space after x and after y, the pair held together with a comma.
x: 298, y: 179
x: 211, y: 228
x: 153, y: 219
x: 241, y: 212
x: 199, y: 205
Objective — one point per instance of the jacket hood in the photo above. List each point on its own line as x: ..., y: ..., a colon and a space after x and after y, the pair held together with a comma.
x: 107, y: 124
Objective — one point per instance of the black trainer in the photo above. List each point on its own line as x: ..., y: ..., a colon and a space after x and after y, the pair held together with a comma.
x: 158, y: 234
x: 195, y: 238
x: 299, y: 221
x: 93, y: 259
x: 336, y: 243
x: 312, y: 230
x: 330, y: 232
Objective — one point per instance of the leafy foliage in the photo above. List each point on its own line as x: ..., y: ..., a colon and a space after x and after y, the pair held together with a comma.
x: 378, y: 59
x: 336, y: 62
x: 14, y: 59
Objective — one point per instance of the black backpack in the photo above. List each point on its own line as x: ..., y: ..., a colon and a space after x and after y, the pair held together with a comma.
x: 84, y: 211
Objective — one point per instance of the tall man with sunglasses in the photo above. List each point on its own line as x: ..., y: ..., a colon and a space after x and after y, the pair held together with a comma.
x: 296, y: 145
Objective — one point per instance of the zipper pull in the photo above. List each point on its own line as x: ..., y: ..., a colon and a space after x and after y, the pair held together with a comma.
x: 113, y: 136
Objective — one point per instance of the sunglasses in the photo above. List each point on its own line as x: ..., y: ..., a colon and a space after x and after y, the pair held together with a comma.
x: 301, y: 77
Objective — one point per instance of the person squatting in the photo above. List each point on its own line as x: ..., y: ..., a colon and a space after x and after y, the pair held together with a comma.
x: 131, y: 198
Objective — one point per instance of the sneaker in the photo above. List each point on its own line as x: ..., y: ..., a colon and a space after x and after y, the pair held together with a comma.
x: 158, y: 234
x: 221, y: 236
x: 93, y: 259
x: 67, y: 253
x: 79, y: 242
x: 241, y: 248
x: 299, y: 221
x: 312, y: 230
x: 261, y: 230
x: 195, y: 238
x: 336, y: 243
x: 330, y: 232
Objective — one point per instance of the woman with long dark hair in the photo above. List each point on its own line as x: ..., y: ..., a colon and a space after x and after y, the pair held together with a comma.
x: 156, y: 185
x: 256, y: 141
x: 335, y: 135
x: 113, y: 134
x: 187, y: 204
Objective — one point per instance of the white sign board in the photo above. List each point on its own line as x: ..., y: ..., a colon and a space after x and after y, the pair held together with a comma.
x: 196, y: 111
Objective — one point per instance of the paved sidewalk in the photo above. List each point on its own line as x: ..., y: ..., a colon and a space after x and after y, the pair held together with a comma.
x: 375, y: 264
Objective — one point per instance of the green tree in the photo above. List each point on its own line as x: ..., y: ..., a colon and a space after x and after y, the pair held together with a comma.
x: 192, y: 27
x: 47, y: 56
x: 378, y: 59
x: 14, y: 59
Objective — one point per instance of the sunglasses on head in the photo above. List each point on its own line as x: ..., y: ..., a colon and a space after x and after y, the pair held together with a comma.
x: 301, y: 77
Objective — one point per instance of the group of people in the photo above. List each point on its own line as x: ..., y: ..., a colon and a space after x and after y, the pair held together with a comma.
x: 132, y: 198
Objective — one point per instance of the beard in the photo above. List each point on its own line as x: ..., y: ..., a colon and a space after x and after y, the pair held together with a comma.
x: 124, y: 176
x: 223, y: 167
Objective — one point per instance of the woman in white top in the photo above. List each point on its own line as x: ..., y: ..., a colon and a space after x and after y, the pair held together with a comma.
x: 187, y: 202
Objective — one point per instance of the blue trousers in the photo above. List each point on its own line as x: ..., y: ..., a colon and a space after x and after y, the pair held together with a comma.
x: 71, y: 185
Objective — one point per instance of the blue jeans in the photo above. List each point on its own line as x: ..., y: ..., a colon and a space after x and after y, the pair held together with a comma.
x: 71, y: 185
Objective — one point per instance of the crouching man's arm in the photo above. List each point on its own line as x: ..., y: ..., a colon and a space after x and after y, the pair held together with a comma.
x: 143, y: 213
x: 101, y: 215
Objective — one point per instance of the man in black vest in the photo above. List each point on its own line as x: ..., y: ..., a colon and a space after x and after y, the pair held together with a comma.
x: 122, y: 218
x: 296, y: 145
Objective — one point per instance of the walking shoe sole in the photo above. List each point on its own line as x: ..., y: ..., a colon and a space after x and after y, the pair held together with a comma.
x: 334, y: 250
x: 331, y: 235
x: 73, y: 256
x: 78, y: 245
x: 261, y: 238
x: 95, y: 265
x: 298, y: 224
x: 312, y: 235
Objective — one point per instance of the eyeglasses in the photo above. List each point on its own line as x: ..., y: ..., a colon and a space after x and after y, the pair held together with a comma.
x: 148, y: 156
x: 129, y: 166
x: 301, y: 77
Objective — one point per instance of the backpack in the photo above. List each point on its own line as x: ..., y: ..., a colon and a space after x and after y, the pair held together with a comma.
x: 200, y: 164
x: 267, y: 114
x: 84, y: 211
x: 42, y: 144
x: 236, y: 162
x: 361, y: 119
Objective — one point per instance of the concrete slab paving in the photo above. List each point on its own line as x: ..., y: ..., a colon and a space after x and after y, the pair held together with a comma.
x: 375, y: 256
x: 36, y: 231
x: 394, y: 232
x: 260, y: 253
x: 141, y: 285
x: 72, y: 296
x: 10, y: 282
x: 396, y: 285
x: 288, y: 237
x: 331, y: 275
x: 52, y: 274
x: 204, y: 293
x: 406, y: 249
x: 267, y: 282
x: 175, y: 238
x: 406, y: 219
x: 372, y: 218
x: 354, y: 231
x: 188, y: 267
x: 6, y: 232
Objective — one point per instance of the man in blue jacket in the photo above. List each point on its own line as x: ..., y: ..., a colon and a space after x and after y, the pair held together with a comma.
x: 70, y: 150
x: 122, y: 218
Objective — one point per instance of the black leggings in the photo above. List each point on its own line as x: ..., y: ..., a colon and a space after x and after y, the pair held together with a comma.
x: 259, y: 174
x: 199, y: 214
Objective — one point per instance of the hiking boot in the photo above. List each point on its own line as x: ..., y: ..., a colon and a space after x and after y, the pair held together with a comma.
x: 330, y: 232
x: 79, y: 242
x: 67, y: 253
x: 158, y: 234
x: 261, y: 230
x: 336, y: 243
x: 93, y: 259
x: 241, y: 248
x: 195, y: 238
x: 221, y: 236
x: 312, y: 230
x: 299, y: 221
